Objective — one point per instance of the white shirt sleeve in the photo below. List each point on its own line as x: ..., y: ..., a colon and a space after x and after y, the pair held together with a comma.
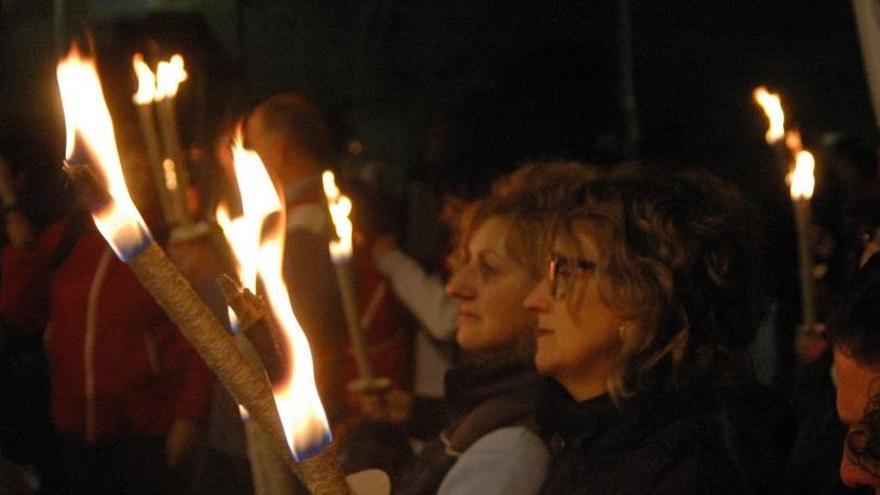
x: 423, y: 294
x: 507, y: 461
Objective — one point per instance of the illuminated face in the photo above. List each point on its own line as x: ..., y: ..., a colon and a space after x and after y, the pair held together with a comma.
x: 578, y: 334
x: 490, y: 287
x: 856, y: 385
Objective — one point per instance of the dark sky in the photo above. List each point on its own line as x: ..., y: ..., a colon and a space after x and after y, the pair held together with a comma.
x: 530, y: 79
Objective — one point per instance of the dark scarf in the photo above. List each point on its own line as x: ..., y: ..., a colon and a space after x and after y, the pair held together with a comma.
x: 482, y: 397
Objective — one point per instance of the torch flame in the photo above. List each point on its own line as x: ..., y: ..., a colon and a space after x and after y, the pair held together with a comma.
x: 340, y: 208
x: 88, y: 123
x: 772, y: 106
x: 801, y: 178
x: 169, y: 75
x: 259, y: 200
x: 257, y: 242
x: 146, y: 91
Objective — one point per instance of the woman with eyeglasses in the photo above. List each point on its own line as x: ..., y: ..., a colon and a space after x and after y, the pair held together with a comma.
x: 649, y: 299
x: 491, y: 445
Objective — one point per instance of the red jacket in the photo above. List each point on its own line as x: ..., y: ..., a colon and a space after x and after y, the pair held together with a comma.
x: 119, y: 368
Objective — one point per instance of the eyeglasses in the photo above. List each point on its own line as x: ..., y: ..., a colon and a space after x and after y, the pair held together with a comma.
x: 562, y: 271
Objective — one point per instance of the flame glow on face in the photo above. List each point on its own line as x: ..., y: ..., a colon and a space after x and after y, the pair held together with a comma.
x: 340, y: 209
x: 772, y: 106
x: 169, y: 75
x: 88, y: 124
x: 801, y: 179
x: 257, y: 241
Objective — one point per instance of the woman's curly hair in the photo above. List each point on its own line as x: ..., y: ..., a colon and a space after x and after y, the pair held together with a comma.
x: 528, y: 199
x: 677, y: 259
x: 863, y: 440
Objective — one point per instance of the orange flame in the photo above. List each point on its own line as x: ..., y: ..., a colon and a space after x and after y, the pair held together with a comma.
x: 257, y: 240
x: 169, y: 75
x: 772, y: 106
x: 88, y: 124
x: 146, y: 91
x: 801, y: 179
x: 340, y: 208
x: 259, y: 200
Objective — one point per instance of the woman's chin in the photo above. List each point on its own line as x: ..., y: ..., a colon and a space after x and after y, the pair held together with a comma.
x: 543, y: 362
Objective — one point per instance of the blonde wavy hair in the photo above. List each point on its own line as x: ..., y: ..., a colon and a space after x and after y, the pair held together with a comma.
x: 678, y: 261
x: 527, y: 199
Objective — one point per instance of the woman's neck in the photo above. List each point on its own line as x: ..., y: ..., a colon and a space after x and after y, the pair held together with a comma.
x: 582, y: 388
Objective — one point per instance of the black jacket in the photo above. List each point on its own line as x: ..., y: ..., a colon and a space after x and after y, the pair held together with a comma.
x: 679, y: 445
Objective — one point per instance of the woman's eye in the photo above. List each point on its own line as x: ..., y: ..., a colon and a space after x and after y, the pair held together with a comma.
x: 486, y: 270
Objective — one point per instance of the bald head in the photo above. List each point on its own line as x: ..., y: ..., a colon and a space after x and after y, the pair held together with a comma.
x: 291, y: 136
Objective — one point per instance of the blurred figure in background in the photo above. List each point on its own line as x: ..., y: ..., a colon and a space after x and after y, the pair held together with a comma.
x: 293, y: 138
x: 127, y: 390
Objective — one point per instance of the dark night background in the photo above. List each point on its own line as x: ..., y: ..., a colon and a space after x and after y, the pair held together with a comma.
x: 526, y: 79
x: 514, y: 80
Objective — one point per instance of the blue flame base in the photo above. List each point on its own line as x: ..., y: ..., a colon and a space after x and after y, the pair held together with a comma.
x: 312, y: 448
x: 133, y: 251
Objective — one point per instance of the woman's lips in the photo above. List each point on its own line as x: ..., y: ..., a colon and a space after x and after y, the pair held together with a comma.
x: 467, y: 315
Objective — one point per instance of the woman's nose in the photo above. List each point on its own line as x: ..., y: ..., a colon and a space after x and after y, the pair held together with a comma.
x: 459, y: 285
x: 539, y: 299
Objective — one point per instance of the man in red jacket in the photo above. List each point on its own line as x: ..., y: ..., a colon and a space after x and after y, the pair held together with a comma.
x: 126, y: 387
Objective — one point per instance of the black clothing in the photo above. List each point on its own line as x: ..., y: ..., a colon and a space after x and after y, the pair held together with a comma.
x: 677, y: 445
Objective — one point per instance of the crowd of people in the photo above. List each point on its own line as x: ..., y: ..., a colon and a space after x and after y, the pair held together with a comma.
x: 592, y: 328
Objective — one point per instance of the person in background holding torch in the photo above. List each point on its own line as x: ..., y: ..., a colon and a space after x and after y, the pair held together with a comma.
x: 127, y: 389
x: 291, y: 136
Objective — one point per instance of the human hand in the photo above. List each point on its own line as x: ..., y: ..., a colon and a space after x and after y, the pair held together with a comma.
x: 810, y: 344
x: 180, y: 440
x: 19, y: 230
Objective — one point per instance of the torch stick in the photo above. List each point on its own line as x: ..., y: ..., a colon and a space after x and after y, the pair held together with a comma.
x: 88, y: 123
x: 171, y: 210
x: 801, y: 189
x: 269, y: 472
x: 786, y: 146
x: 254, y: 326
x: 247, y: 384
x: 805, y: 263
x: 169, y: 75
x: 341, y: 255
x: 144, y: 101
x: 320, y: 473
x: 349, y: 306
x: 173, y: 168
x: 323, y: 468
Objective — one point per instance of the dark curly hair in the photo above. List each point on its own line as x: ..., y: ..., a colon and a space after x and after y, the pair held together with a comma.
x: 863, y: 439
x: 854, y: 330
x: 854, y: 327
x: 678, y: 257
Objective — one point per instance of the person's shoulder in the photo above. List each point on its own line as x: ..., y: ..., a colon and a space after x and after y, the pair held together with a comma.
x: 311, y: 217
x: 510, y: 460
x: 511, y: 437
